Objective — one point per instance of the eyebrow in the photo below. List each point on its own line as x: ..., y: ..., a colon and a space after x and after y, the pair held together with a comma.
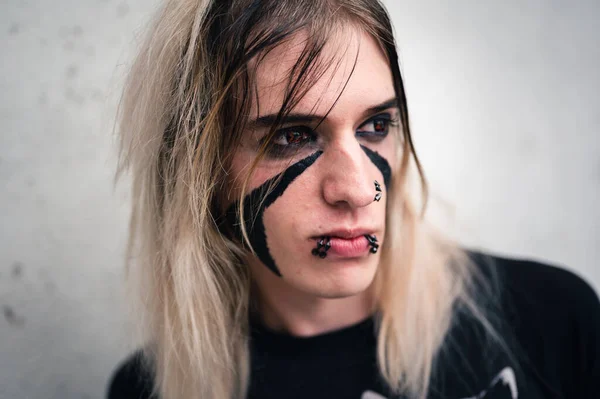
x: 270, y: 119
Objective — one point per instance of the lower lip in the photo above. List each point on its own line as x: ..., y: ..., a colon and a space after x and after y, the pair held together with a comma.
x: 348, y: 248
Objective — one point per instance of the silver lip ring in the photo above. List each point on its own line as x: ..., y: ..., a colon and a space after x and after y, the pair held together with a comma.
x: 323, y: 246
x: 372, y: 243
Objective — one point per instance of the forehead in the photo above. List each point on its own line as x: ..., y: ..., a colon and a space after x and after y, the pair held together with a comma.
x: 355, y: 66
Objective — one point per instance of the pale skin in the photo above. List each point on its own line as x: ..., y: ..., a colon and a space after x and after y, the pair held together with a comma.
x: 314, y: 296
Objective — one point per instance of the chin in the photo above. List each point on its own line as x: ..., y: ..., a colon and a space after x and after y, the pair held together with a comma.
x: 339, y: 293
x: 340, y: 283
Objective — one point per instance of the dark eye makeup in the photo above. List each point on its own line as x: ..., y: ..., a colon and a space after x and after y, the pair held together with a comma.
x: 377, y: 128
x: 289, y: 140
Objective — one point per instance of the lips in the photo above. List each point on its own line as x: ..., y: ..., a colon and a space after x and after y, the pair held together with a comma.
x: 348, y: 243
x: 349, y: 248
x: 347, y: 234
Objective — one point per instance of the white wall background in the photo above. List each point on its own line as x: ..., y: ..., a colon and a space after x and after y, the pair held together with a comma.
x: 506, y: 118
x: 506, y: 115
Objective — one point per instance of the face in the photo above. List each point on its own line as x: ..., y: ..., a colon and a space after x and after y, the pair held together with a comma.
x: 327, y: 157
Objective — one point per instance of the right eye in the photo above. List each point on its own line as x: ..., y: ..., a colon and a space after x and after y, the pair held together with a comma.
x: 289, y: 140
x: 295, y: 136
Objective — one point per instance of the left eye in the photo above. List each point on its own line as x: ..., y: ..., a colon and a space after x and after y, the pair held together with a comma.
x: 377, y: 126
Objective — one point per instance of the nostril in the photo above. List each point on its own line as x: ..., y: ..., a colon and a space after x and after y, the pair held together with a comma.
x: 349, y: 179
x: 354, y: 192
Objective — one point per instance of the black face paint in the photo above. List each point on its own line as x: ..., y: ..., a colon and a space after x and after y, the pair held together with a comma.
x: 381, y: 163
x: 384, y: 167
x: 254, y: 210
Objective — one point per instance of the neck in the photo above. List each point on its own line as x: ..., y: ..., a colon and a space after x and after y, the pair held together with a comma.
x: 283, y: 308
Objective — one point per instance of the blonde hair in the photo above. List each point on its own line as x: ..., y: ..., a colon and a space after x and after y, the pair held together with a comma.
x: 180, y: 114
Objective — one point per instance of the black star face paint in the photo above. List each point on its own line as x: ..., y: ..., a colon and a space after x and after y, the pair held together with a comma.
x: 381, y: 163
x: 384, y: 167
x: 254, y: 209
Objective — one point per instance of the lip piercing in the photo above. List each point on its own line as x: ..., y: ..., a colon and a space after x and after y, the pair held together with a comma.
x: 372, y: 242
x: 323, y: 246
x: 378, y: 194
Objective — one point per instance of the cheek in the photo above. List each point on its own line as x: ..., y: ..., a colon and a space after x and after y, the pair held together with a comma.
x: 290, y: 221
x: 238, y: 171
x: 391, y: 149
x: 235, y: 178
x: 292, y: 211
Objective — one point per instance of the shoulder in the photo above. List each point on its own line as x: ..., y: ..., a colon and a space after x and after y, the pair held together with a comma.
x: 554, y: 314
x: 131, y: 379
x: 539, y: 285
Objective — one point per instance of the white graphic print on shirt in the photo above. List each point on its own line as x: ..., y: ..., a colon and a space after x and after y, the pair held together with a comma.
x: 503, y: 386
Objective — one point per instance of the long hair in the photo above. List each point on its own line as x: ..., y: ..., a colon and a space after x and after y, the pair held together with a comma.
x: 184, y: 108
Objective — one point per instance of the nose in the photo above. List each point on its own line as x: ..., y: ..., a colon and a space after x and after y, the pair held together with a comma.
x: 348, y: 176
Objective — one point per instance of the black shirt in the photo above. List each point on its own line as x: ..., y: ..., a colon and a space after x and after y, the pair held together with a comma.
x: 550, y: 324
